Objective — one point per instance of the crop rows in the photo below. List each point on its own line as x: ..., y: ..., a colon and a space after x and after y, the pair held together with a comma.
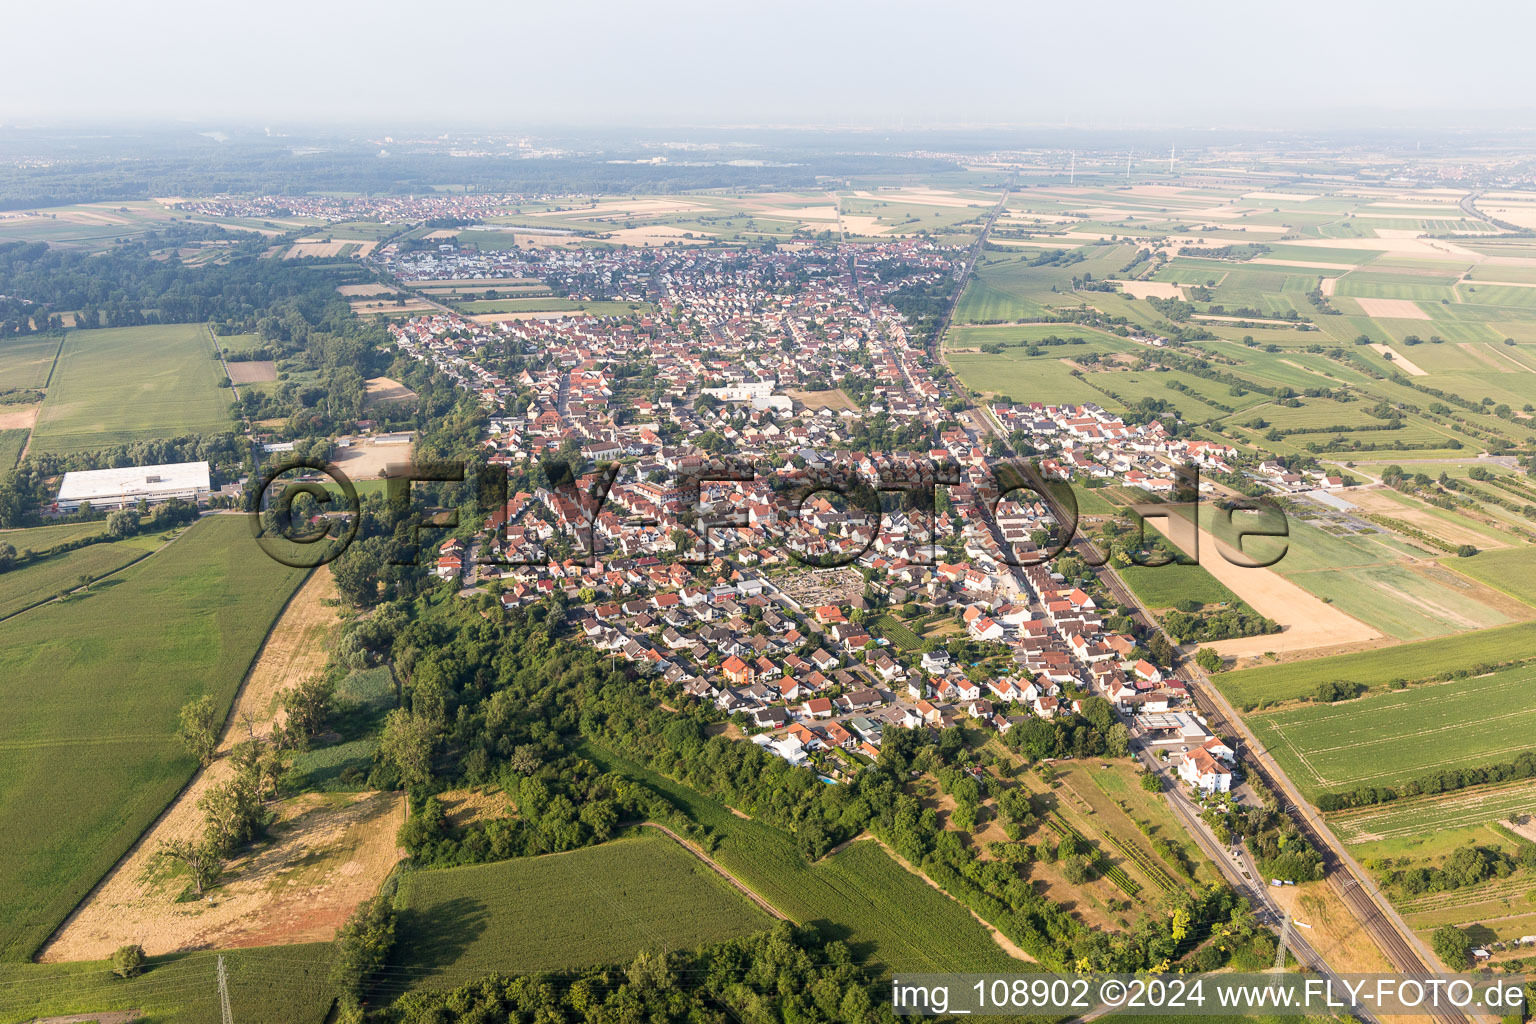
x: 889, y: 628
x: 1113, y: 872
x: 1137, y: 856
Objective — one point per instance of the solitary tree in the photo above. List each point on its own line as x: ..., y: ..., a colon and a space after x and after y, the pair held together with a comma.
x: 199, y: 857
x: 1452, y: 946
x: 122, y: 523
x: 128, y: 961
x: 199, y: 728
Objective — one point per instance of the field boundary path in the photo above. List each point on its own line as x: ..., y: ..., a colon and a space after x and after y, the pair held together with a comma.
x: 718, y: 869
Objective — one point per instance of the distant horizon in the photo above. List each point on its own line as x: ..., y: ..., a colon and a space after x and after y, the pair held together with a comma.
x: 595, y: 63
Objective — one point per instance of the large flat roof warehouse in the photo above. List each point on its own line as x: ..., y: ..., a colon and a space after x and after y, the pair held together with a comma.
x: 126, y: 486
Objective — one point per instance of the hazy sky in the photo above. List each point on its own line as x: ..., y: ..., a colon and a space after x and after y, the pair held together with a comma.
x: 1106, y: 64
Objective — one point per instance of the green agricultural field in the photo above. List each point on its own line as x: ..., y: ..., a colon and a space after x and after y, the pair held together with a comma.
x: 240, y: 342
x: 1374, y: 577
x: 565, y: 911
x: 1005, y: 287
x: 1013, y: 375
x: 39, y: 581
x: 888, y: 627
x: 267, y: 985
x: 11, y: 444
x: 1164, y: 585
x: 41, y: 538
x: 89, y: 753
x: 1376, y: 668
x: 1424, y: 816
x: 1388, y: 738
x: 891, y: 916
x: 131, y: 384
x: 1020, y: 335
x: 1511, y: 570
x: 26, y: 362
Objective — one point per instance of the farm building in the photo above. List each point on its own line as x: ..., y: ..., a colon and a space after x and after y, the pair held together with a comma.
x: 119, y: 488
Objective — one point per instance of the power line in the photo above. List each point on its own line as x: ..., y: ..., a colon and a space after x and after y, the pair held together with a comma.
x: 227, y: 1016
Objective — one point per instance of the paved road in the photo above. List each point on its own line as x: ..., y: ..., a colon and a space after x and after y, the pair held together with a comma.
x: 1244, y: 878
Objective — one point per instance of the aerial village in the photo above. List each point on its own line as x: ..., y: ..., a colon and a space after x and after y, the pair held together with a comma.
x: 793, y: 362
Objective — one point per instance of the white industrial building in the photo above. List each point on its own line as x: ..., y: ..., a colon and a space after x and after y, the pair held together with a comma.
x: 120, y: 488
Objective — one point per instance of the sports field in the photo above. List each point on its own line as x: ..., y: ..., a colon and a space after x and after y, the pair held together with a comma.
x: 565, y: 911
x: 1388, y: 738
x: 89, y: 752
x: 131, y: 384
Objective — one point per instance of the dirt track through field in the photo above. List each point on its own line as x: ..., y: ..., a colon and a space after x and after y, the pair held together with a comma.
x: 327, y: 853
x: 713, y: 865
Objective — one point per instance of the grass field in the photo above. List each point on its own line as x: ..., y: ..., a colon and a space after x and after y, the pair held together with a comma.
x: 39, y: 581
x: 26, y: 362
x: 562, y: 912
x: 41, y: 538
x: 1424, y: 816
x: 267, y: 985
x: 11, y: 444
x: 885, y: 913
x: 240, y: 342
x: 130, y: 384
x: 1389, y: 738
x: 1511, y: 570
x: 1161, y: 586
x: 89, y: 754
x: 1376, y: 668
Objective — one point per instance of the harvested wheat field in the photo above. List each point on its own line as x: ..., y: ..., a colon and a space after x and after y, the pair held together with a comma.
x: 1399, y: 360
x: 330, y: 852
x: 252, y: 371
x: 467, y: 806
x: 1154, y: 289
x: 1394, y: 309
x: 18, y: 417
x: 1306, y: 622
x: 1380, y: 500
x: 835, y: 400
x: 366, y: 289
x: 386, y: 390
